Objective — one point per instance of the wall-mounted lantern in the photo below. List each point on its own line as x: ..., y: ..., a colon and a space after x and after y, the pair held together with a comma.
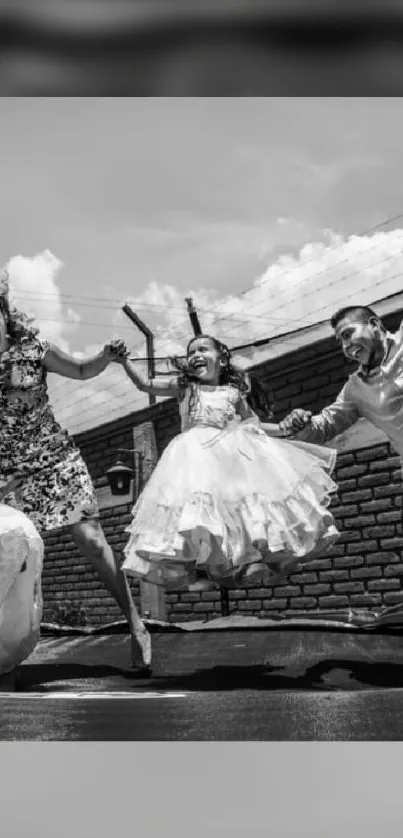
x: 119, y: 478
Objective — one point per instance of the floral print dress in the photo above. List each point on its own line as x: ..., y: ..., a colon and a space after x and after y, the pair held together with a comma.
x: 56, y: 488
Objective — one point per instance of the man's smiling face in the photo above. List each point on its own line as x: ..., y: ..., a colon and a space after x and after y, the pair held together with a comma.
x: 360, y: 342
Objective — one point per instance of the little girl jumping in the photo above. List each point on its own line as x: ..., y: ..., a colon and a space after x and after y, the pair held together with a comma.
x: 226, y: 497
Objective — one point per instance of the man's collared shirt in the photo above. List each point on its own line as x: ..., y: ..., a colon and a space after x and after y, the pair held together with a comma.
x: 376, y: 395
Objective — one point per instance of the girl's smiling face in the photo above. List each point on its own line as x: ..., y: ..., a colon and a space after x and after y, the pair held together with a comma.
x: 204, y: 360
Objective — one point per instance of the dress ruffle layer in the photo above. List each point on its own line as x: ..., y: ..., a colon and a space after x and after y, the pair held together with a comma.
x: 235, y: 504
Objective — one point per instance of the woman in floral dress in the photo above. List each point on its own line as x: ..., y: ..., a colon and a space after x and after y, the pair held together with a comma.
x: 42, y: 472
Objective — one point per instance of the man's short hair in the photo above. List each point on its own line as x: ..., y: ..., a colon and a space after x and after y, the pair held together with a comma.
x: 361, y: 313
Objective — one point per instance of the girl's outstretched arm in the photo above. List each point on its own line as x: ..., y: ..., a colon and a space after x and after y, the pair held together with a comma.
x: 159, y: 386
x: 272, y: 429
x: 247, y: 414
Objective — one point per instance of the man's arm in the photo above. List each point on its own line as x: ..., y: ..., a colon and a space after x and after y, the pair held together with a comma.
x: 324, y: 426
x: 247, y: 414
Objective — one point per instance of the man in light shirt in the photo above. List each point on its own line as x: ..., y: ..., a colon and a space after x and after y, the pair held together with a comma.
x: 374, y: 391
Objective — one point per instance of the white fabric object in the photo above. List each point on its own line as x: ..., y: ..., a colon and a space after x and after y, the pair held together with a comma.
x: 21, y: 562
x: 225, y: 496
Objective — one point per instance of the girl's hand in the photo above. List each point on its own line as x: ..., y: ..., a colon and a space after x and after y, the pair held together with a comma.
x: 272, y: 429
x: 116, y: 351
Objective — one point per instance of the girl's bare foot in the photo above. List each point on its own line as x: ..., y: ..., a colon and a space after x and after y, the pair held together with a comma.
x: 258, y: 572
x: 201, y: 585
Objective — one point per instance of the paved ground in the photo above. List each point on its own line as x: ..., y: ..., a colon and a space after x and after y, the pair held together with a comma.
x: 238, y: 684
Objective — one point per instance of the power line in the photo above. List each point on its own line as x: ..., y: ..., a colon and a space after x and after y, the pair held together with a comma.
x: 164, y: 306
x: 336, y: 281
x: 102, y: 415
x: 284, y: 334
x: 336, y: 247
x: 141, y: 306
x: 94, y: 302
x: 108, y: 416
x: 263, y: 341
x: 330, y: 284
x: 297, y: 266
x: 277, y: 336
x: 261, y: 319
x: 120, y: 392
x: 81, y: 323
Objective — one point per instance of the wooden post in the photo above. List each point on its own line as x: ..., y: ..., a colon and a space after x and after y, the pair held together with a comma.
x: 224, y: 599
x: 152, y: 597
x: 193, y: 316
x: 128, y: 311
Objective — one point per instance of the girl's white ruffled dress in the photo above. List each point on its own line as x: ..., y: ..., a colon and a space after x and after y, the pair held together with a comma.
x: 224, y: 495
x: 21, y: 562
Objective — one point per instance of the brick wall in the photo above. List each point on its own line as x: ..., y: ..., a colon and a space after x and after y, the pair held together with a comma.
x: 364, y: 568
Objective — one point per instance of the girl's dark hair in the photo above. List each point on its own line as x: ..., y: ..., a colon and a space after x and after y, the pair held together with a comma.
x: 260, y: 399
x: 247, y: 385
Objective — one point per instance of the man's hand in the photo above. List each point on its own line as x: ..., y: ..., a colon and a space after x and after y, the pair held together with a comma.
x: 296, y: 421
x: 116, y: 350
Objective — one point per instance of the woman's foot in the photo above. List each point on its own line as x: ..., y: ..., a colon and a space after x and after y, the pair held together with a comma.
x: 141, y: 651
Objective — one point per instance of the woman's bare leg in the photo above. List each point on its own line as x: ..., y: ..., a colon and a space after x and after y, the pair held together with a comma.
x: 90, y: 539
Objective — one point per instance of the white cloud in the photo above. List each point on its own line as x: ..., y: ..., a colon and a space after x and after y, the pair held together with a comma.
x: 326, y: 275
x: 34, y: 289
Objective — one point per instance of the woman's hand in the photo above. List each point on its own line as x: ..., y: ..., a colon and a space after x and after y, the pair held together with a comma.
x: 272, y: 429
x: 116, y: 351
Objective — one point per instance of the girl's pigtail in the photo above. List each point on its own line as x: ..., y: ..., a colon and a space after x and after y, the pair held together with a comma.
x: 185, y: 379
x: 259, y: 399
